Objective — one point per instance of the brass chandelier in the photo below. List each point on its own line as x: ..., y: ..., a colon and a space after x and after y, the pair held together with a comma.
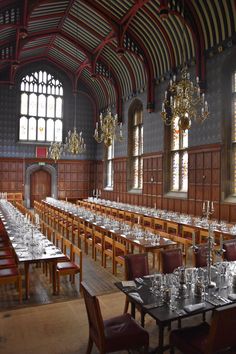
x: 184, y: 101
x: 108, y: 129
x: 183, y: 98
x: 55, y: 150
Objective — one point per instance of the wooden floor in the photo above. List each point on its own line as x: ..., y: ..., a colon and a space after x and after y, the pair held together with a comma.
x: 100, y: 280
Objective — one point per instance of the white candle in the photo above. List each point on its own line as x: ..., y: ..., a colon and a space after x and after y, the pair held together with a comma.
x: 155, y: 205
x: 212, y: 206
x: 138, y: 219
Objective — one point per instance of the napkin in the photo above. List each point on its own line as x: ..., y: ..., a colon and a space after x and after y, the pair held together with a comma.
x: 195, y: 307
x: 232, y: 297
x: 136, y: 297
x: 128, y: 283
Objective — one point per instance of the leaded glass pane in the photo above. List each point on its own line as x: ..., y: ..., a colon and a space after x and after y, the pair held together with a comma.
x: 135, y: 172
x: 42, y: 105
x: 184, y: 172
x: 32, y: 104
x: 136, y: 141
x: 24, y: 103
x: 175, y: 171
x: 36, y: 103
x: 184, y: 138
x: 41, y: 129
x: 51, y: 106
x: 234, y: 83
x: 58, y: 107
x: 58, y: 130
x: 50, y: 130
x: 32, y: 129
x: 175, y: 135
x: 23, y: 128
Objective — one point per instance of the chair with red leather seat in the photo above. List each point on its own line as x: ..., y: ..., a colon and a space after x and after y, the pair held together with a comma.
x: 12, y: 275
x: 115, y: 334
x: 230, y: 250
x: 208, y: 339
x: 200, y: 256
x: 171, y: 259
x: 136, y: 266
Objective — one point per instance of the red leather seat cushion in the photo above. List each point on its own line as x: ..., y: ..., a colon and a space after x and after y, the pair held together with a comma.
x: 6, y: 272
x: 66, y: 265
x: 191, y: 340
x: 121, y: 331
x: 7, y: 262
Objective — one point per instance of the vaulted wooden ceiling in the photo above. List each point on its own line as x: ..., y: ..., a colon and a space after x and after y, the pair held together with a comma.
x: 115, y: 48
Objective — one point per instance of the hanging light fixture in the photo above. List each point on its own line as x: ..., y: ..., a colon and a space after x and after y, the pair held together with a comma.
x: 183, y: 99
x: 55, y: 150
x: 75, y: 142
x: 108, y: 128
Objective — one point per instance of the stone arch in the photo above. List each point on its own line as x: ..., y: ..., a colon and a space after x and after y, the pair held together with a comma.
x: 35, y: 167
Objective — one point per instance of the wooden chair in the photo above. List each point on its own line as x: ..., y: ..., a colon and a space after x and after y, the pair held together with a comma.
x: 88, y: 238
x: 136, y: 266
x: 71, y: 266
x: 147, y: 221
x: 184, y: 244
x: 203, y: 235
x: 171, y: 259
x: 187, y: 232
x: 200, y: 256
x: 215, y: 338
x: 108, y: 251
x: 120, y: 250
x: 172, y: 228
x: 115, y: 334
x: 12, y: 275
x: 158, y: 224
x: 98, y: 244
x: 230, y: 250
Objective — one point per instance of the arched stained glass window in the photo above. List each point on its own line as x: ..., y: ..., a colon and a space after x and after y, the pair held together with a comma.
x: 135, y: 146
x: 109, y: 162
x: 179, y: 158
x: 41, y: 110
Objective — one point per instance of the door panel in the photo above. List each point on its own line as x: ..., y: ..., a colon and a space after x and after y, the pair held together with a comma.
x: 40, y: 186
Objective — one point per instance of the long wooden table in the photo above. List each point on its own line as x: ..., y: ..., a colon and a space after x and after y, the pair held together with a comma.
x: 161, y: 311
x: 26, y: 255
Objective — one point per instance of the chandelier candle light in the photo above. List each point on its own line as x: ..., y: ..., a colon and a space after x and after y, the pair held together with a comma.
x: 106, y: 129
x: 55, y: 150
x: 183, y: 99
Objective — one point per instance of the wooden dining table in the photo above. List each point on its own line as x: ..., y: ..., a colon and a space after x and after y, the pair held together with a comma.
x: 27, y: 255
x: 161, y: 311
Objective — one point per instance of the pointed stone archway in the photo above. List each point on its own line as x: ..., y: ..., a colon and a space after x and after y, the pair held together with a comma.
x: 35, y: 167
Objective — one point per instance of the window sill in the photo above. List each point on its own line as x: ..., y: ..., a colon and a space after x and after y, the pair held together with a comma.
x: 179, y: 195
x: 231, y: 199
x: 135, y: 191
x: 108, y: 189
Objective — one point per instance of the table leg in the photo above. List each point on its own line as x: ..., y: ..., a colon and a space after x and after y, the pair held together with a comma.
x: 132, y: 309
x: 26, y: 266
x: 54, y: 277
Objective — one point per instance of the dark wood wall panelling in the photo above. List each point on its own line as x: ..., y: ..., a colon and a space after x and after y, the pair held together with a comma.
x: 204, y: 184
x: 11, y: 175
x: 75, y: 178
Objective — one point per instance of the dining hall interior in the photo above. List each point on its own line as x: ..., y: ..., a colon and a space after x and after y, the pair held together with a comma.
x: 117, y: 176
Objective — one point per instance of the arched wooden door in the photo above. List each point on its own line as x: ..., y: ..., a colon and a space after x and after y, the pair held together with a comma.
x: 40, y: 186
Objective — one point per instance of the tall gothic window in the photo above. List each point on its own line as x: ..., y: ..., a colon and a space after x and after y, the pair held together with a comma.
x: 179, y: 158
x: 136, y: 148
x: 109, y: 161
x: 41, y: 109
x: 234, y: 133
